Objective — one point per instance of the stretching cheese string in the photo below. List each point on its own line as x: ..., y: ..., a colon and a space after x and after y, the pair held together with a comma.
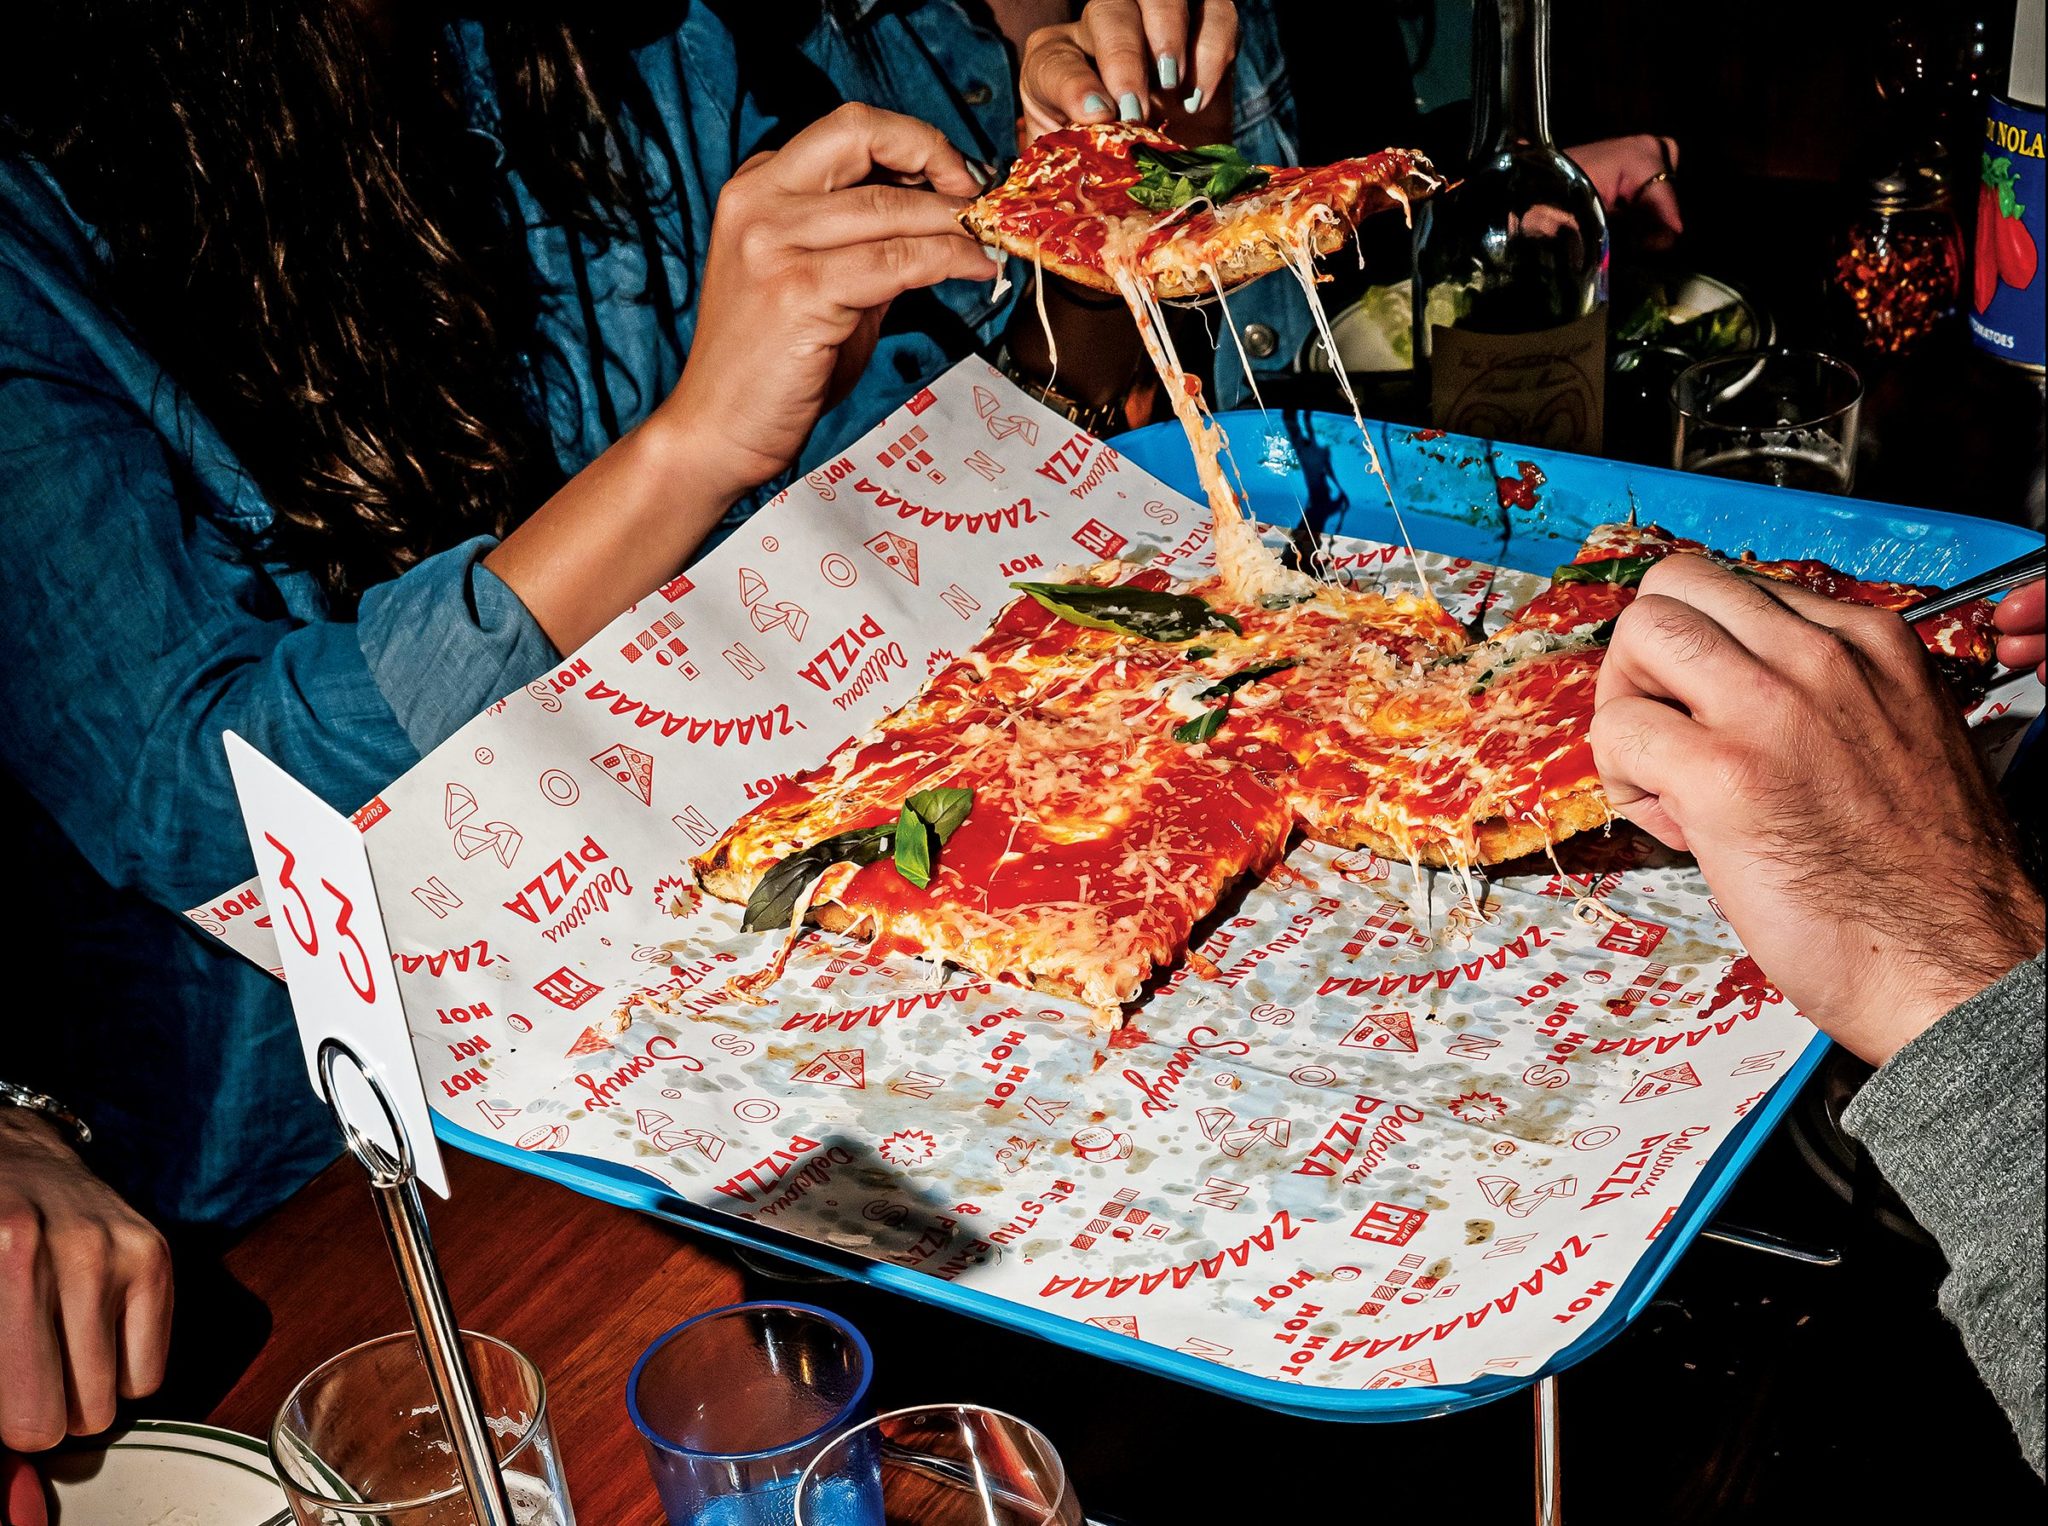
x: 1247, y: 566
x: 1052, y: 348
x: 1301, y: 260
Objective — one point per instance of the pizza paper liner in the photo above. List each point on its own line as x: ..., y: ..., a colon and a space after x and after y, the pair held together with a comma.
x: 1388, y: 1143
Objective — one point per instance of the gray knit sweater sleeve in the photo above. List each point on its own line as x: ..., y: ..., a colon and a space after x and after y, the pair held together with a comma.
x: 1954, y: 1121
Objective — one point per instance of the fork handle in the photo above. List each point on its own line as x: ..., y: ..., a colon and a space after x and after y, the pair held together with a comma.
x: 2021, y: 569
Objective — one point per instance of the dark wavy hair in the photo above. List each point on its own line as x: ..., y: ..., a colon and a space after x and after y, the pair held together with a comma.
x: 308, y: 236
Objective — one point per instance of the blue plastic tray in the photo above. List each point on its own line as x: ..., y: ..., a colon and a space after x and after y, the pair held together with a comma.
x: 1294, y: 464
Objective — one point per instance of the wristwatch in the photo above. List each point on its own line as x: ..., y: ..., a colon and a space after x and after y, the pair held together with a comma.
x: 12, y: 1095
x: 1099, y: 419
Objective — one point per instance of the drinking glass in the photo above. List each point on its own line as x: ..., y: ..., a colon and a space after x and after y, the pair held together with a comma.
x: 733, y: 1405
x: 938, y: 1465
x: 1786, y: 417
x: 361, y: 1441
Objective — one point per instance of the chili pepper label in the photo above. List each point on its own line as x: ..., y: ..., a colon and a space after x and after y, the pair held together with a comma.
x: 2007, y: 313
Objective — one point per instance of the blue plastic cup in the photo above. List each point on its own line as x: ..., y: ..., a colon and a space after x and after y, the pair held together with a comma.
x: 733, y: 1405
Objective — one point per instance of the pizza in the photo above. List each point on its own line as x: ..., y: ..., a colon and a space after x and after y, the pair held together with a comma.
x: 1089, y: 840
x: 1189, y: 223
x: 1601, y: 582
x: 1062, y: 806
x: 1124, y: 208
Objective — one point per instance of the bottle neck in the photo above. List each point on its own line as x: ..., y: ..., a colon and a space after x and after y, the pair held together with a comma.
x: 1511, y: 77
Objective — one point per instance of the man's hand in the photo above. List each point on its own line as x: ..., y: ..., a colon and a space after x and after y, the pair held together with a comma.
x: 1121, y: 54
x: 1803, y: 751
x: 2021, y: 619
x: 1633, y: 177
x: 85, y: 1292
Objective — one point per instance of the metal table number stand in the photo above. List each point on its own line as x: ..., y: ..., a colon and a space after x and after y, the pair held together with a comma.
x: 395, y: 1189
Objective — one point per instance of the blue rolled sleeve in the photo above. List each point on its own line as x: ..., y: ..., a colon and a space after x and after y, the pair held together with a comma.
x: 445, y: 633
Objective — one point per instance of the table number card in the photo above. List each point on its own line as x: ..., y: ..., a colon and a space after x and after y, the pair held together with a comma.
x: 330, y: 936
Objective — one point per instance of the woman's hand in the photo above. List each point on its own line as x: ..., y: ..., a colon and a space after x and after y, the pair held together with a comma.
x: 1633, y: 177
x: 1108, y: 65
x: 85, y: 1292
x: 809, y: 246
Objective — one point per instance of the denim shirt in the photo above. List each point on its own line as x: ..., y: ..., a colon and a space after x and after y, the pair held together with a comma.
x: 143, y: 619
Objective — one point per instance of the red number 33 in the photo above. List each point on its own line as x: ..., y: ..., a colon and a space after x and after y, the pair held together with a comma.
x: 365, y: 987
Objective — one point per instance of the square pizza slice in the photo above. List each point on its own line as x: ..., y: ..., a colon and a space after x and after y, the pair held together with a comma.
x: 1187, y: 223
x: 1090, y: 839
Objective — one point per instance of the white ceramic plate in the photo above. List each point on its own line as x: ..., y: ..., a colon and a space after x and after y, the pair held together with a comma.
x: 166, y: 1473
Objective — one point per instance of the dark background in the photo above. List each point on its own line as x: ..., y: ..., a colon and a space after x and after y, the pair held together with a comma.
x: 1782, y: 109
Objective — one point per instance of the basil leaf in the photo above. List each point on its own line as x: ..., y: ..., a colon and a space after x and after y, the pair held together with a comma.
x: 1147, y: 613
x: 1155, y: 193
x: 1197, y: 653
x: 1627, y: 571
x: 1203, y: 726
x: 774, y: 899
x: 1258, y: 670
x: 941, y: 809
x: 913, y: 848
x: 1229, y: 179
x: 928, y: 814
x: 1171, y: 178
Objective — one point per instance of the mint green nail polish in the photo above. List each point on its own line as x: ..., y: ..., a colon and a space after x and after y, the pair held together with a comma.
x: 1127, y: 107
x: 1093, y: 104
x: 1169, y: 71
x: 1194, y: 102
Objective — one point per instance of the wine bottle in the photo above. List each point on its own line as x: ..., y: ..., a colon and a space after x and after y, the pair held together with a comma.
x: 1510, y: 279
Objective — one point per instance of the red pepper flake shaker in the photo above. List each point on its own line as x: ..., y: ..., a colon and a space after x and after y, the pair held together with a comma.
x: 1898, y: 268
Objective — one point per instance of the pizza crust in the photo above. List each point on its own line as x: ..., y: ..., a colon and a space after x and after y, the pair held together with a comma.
x: 1500, y: 839
x: 1250, y: 256
x: 718, y: 875
x: 835, y: 918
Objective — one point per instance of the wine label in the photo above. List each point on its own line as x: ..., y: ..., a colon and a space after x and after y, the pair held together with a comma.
x: 1543, y: 388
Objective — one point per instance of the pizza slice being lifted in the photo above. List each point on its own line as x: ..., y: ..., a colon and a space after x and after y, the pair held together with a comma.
x: 1124, y: 208
x: 1189, y: 223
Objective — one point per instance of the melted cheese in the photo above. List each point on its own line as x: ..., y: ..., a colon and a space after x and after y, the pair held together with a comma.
x: 1301, y: 261
x: 1250, y: 570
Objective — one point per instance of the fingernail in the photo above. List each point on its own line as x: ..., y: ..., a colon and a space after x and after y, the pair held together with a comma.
x: 981, y: 172
x: 1169, y: 71
x: 1194, y: 102
x: 1093, y: 104
x: 1127, y: 107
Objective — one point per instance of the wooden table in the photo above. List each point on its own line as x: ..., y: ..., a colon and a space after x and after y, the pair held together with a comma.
x: 579, y: 1286
x: 1753, y: 1388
